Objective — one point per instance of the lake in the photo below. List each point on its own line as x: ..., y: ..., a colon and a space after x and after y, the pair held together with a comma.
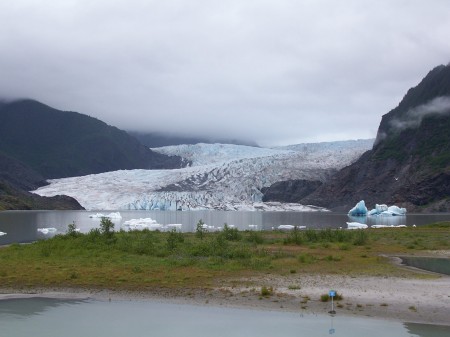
x: 54, y: 317
x: 21, y: 226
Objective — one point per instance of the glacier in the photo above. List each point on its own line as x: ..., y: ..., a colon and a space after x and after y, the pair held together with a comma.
x: 220, y: 177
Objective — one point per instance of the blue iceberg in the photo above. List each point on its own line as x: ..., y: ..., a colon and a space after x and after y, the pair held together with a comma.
x: 384, y: 210
x: 359, y: 210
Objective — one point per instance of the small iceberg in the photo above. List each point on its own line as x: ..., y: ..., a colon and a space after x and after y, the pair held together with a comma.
x: 3, y: 233
x: 113, y: 215
x: 211, y: 228
x: 384, y: 210
x: 141, y: 224
x: 47, y: 230
x: 389, y: 226
x: 360, y: 209
x: 356, y: 225
x: 290, y: 227
x: 172, y: 226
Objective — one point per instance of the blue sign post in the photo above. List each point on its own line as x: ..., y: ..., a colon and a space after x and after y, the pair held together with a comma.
x: 332, y: 294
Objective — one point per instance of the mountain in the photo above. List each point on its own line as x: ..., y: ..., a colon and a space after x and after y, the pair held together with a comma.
x: 38, y: 142
x: 16, y: 179
x: 59, y: 144
x: 159, y: 139
x: 12, y: 198
x: 409, y: 164
x: 290, y: 191
x: 220, y: 176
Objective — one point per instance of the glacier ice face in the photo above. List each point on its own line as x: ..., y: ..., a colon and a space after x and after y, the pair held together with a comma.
x: 223, y: 177
x: 360, y: 209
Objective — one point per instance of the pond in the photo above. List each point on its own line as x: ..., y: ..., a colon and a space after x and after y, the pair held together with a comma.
x: 434, y: 264
x: 54, y: 317
x: 22, y: 226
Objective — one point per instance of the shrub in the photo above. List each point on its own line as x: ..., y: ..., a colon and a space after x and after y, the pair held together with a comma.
x: 200, y: 230
x: 294, y: 237
x: 324, y: 298
x: 255, y: 237
x: 360, y: 237
x: 72, y: 230
x: 106, y: 227
x: 266, y: 292
x: 173, y: 239
x: 230, y: 234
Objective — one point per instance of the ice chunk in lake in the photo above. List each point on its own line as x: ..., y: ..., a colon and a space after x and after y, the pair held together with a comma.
x: 174, y: 226
x: 356, y: 225
x: 141, y: 224
x: 47, y: 231
x: 384, y: 210
x: 378, y: 209
x: 359, y: 210
x: 290, y: 227
x: 113, y: 215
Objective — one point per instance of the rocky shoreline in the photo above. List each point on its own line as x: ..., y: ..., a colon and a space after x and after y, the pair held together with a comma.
x: 423, y: 300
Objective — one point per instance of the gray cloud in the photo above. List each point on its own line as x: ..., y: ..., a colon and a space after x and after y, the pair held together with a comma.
x: 413, y: 117
x: 277, y: 72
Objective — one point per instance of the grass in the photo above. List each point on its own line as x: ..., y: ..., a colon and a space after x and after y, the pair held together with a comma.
x: 146, y: 260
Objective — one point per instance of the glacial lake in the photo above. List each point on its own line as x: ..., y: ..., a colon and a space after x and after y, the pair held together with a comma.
x: 22, y: 226
x: 54, y: 317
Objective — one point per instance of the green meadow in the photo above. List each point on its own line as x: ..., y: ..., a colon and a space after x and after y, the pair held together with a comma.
x: 145, y: 260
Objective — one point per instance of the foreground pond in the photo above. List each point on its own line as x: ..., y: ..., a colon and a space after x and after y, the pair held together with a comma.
x: 53, y: 317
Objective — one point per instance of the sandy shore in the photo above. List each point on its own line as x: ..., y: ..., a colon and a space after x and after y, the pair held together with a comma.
x: 408, y: 300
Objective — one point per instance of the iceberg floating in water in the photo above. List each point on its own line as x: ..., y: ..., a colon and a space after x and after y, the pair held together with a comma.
x: 380, y: 210
x: 141, y: 224
x: 384, y: 210
x: 356, y: 225
x: 113, y: 215
x: 389, y: 226
x: 359, y: 210
x: 290, y: 227
x: 48, y: 230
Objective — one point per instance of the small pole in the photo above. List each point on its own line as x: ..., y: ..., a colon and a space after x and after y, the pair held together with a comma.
x: 332, y: 293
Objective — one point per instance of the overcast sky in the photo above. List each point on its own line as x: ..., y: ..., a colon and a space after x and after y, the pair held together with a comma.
x: 276, y: 72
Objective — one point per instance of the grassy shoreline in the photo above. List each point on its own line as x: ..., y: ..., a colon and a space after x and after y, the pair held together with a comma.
x: 144, y: 260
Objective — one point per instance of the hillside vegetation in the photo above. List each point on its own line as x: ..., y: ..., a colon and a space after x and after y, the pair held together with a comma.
x: 409, y: 164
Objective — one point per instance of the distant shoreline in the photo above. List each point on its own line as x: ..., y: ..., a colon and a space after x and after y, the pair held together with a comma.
x: 394, y: 298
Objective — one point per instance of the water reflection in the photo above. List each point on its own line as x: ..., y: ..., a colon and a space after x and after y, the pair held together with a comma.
x: 380, y: 220
x: 423, y: 330
x: 437, y: 265
x: 21, y: 226
x: 47, y: 317
x: 25, y: 307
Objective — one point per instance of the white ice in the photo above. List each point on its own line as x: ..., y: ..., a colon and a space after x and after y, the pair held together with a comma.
x: 290, y: 227
x: 223, y: 177
x: 113, y: 215
x: 356, y: 225
x: 47, y: 230
x: 384, y: 210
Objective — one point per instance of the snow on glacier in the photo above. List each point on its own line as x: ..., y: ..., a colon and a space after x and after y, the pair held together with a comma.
x: 221, y: 176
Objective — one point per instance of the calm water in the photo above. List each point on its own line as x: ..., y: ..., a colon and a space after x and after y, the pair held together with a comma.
x: 51, y: 317
x: 434, y: 264
x: 21, y: 226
